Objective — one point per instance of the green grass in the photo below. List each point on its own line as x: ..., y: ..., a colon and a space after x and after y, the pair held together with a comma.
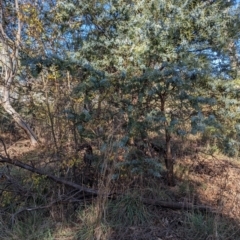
x: 127, y: 211
x: 200, y: 226
x: 33, y: 227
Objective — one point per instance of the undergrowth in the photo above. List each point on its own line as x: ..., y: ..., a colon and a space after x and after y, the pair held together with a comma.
x: 28, y: 210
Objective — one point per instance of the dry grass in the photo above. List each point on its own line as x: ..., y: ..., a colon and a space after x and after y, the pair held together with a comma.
x: 201, y: 179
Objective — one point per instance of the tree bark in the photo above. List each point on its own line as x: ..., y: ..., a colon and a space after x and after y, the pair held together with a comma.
x: 168, y: 152
x: 16, y: 116
x: 169, y: 159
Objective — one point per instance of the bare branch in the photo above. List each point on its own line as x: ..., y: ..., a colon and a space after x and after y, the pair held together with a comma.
x: 4, y: 146
x: 49, y: 176
x: 177, y: 205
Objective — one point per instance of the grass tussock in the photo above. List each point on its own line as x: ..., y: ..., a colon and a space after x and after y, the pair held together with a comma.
x: 34, y: 226
x: 209, y: 226
x: 128, y: 211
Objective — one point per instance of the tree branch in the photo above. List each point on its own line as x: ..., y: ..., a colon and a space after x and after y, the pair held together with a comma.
x: 49, y: 176
x: 177, y: 205
x: 92, y: 192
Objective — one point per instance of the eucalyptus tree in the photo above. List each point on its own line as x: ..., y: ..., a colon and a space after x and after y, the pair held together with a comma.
x: 159, y: 57
x: 151, y: 63
x: 10, y: 47
x: 31, y: 41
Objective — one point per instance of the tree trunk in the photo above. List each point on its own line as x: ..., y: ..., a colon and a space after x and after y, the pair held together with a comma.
x: 9, y: 60
x: 169, y: 159
x: 168, y: 153
x: 16, y: 116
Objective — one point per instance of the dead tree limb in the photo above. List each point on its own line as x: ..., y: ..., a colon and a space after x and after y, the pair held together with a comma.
x: 177, y: 205
x: 49, y: 176
x: 92, y: 192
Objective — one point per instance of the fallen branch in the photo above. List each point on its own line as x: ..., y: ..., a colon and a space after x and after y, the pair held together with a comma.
x: 177, y: 205
x: 30, y: 168
x: 92, y: 192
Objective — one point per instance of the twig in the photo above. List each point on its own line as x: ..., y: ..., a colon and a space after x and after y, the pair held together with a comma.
x: 32, y: 209
x: 4, y: 146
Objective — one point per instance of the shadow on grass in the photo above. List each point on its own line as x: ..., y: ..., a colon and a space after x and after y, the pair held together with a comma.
x: 205, y: 182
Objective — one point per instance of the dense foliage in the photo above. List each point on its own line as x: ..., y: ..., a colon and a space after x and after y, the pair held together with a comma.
x: 122, y: 80
x: 167, y: 67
